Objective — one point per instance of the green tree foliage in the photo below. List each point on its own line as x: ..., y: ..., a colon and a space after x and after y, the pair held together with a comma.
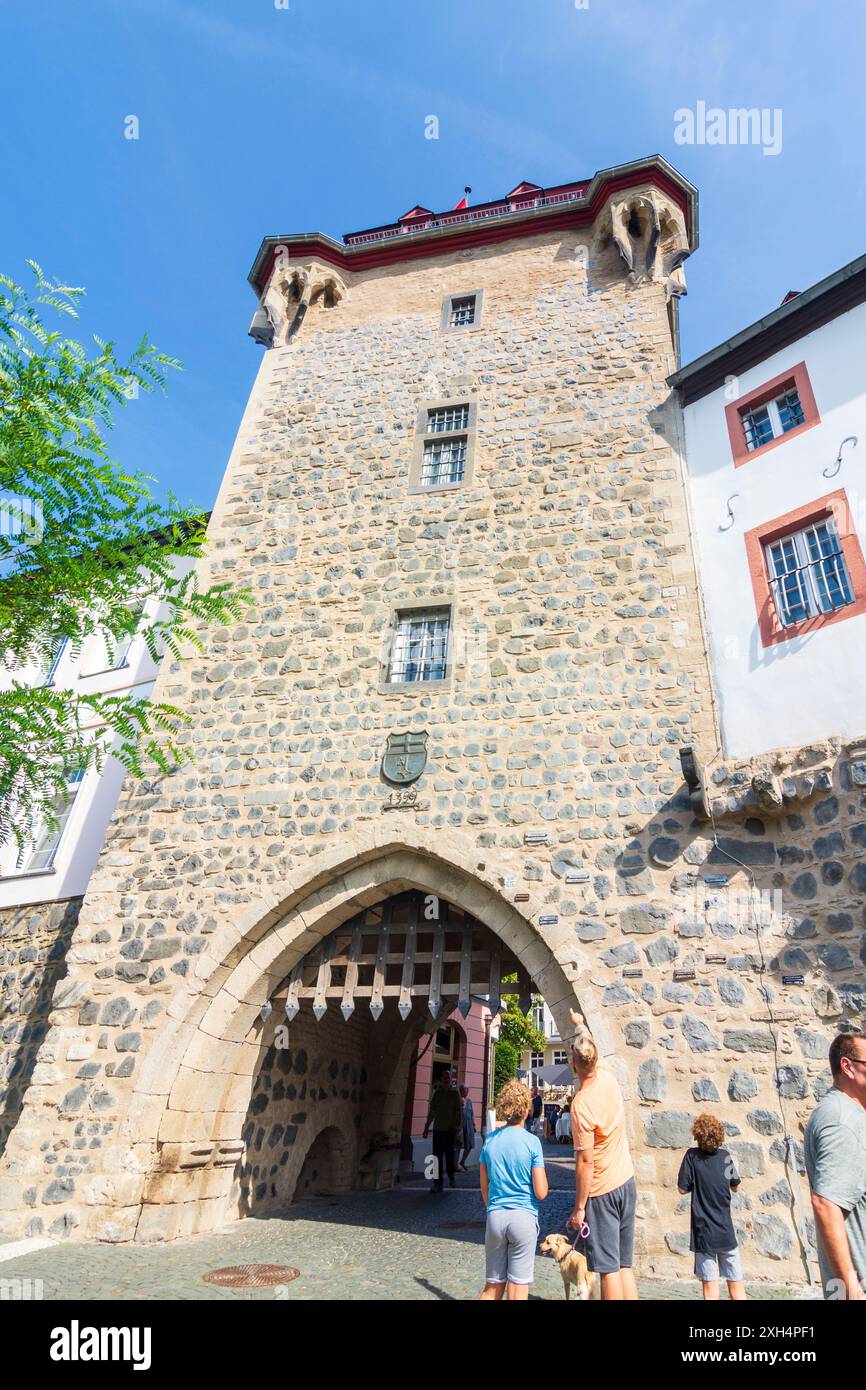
x: 82, y: 543
x: 516, y: 1027
x: 505, y: 1060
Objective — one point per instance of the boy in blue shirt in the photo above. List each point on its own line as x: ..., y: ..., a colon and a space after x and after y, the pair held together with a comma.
x: 513, y: 1182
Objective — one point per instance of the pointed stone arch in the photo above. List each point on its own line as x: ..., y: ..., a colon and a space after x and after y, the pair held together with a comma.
x: 194, y: 1088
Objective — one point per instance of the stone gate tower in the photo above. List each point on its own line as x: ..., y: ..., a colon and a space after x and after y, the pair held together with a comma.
x: 456, y: 499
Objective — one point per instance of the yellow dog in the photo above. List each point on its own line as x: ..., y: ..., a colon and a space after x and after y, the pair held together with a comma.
x: 572, y: 1267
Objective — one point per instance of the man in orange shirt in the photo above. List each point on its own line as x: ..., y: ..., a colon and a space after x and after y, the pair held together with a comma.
x: 604, y: 1173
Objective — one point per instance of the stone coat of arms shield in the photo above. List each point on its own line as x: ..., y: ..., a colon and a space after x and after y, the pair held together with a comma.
x: 405, y: 757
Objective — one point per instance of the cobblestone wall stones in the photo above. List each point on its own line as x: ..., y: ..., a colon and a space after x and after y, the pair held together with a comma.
x: 33, y: 945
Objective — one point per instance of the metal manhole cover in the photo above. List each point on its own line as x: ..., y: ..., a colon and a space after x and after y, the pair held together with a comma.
x: 251, y: 1276
x: 462, y: 1225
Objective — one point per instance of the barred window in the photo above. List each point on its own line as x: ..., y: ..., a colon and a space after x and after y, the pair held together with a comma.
x: 447, y: 417
x: 773, y: 419
x: 444, y: 462
x: 463, y: 311
x: 444, y: 447
x: 444, y: 458
x: 808, y: 574
x: 420, y: 648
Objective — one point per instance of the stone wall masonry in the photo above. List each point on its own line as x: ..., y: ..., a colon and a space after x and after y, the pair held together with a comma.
x: 331, y: 1077
x: 33, y: 945
x: 552, y: 804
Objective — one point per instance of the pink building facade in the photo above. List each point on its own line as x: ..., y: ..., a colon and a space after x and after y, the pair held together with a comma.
x: 466, y: 1046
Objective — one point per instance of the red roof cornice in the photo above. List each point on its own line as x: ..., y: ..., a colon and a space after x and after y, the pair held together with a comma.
x: 469, y: 234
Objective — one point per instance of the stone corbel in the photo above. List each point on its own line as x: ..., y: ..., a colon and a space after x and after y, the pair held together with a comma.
x: 673, y: 275
x: 638, y: 251
x: 294, y: 288
x: 650, y: 236
x: 619, y: 231
x: 694, y: 779
x: 674, y: 250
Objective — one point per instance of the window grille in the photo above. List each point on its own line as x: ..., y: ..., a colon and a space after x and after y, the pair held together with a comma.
x: 463, y: 311
x: 444, y: 461
x: 808, y: 574
x: 446, y: 450
x: 446, y: 418
x: 773, y: 419
x: 420, y: 650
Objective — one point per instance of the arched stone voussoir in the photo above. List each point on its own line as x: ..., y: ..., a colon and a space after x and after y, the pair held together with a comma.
x: 241, y: 1023
x: 379, y: 867
x: 165, y: 1057
x: 227, y: 1005
x: 367, y: 843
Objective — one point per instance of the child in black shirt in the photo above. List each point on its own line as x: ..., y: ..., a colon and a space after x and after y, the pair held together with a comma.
x: 709, y: 1174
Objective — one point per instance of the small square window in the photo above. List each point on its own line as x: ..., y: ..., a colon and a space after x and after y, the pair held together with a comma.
x: 763, y: 418
x: 125, y: 642
x: 773, y: 419
x: 808, y: 574
x: 536, y: 1061
x: 463, y: 311
x: 420, y: 647
x: 50, y: 663
x: 112, y: 654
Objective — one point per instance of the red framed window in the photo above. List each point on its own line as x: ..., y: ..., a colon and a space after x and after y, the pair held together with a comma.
x: 772, y: 413
x: 807, y: 569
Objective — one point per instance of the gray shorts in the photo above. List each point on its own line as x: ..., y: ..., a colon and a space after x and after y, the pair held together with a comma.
x: 510, y: 1246
x: 610, y: 1244
x: 710, y: 1265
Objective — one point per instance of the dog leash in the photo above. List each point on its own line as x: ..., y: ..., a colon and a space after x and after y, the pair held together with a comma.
x: 581, y: 1234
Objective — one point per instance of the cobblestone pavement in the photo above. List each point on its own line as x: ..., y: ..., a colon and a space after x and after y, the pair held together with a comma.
x: 405, y: 1244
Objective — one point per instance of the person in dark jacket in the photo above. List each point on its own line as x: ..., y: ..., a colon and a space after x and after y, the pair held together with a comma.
x: 708, y: 1172
x: 552, y: 1113
x: 446, y: 1117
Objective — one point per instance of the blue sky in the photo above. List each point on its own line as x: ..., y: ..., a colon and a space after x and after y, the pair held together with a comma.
x: 258, y: 120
